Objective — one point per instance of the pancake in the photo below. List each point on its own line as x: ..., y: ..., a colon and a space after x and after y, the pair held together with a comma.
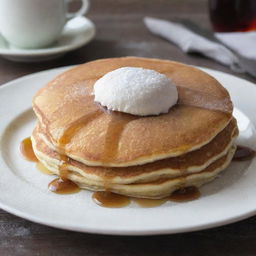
x: 86, y: 132
x: 191, y: 162
x: 164, y: 187
x: 160, y: 188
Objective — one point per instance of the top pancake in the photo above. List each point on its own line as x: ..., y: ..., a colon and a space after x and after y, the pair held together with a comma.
x: 88, y: 133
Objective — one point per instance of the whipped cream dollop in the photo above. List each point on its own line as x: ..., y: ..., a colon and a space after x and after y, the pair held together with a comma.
x: 136, y: 91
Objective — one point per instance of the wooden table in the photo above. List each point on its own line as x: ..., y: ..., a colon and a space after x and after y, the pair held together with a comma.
x: 120, y: 32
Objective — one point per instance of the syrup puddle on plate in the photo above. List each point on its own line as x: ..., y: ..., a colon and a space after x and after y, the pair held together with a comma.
x: 243, y: 154
x: 109, y: 199
x: 63, y: 186
x: 112, y: 200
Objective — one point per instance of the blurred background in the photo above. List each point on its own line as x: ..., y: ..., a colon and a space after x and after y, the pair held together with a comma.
x: 121, y: 32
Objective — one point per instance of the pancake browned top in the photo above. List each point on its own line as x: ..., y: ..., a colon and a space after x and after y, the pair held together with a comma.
x: 94, y: 136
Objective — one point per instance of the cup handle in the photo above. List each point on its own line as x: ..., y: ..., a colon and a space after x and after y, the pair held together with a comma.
x: 83, y: 10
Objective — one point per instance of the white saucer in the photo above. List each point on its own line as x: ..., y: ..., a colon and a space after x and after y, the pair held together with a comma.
x: 24, y: 192
x: 77, y: 32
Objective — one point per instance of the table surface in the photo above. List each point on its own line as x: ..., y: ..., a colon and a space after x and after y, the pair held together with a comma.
x: 120, y: 32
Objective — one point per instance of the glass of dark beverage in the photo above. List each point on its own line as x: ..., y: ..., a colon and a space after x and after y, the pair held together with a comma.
x: 233, y: 15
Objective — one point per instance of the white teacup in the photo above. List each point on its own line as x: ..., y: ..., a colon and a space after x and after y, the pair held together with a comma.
x: 35, y: 23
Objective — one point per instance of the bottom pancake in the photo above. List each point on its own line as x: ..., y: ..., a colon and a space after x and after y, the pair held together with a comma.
x: 162, y: 188
x: 153, y: 190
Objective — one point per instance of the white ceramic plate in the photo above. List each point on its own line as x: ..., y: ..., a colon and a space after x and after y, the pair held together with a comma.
x: 76, y: 33
x: 23, y: 189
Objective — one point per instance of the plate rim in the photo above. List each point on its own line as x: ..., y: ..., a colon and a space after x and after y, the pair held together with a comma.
x: 148, y: 232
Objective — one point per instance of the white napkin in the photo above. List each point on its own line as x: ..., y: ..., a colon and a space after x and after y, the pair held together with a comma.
x: 189, y: 41
x: 242, y: 43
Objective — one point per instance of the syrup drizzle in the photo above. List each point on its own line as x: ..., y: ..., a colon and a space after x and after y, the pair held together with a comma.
x: 27, y: 151
x: 114, y: 131
x: 60, y: 185
x: 243, y: 153
x: 77, y: 125
x: 63, y: 167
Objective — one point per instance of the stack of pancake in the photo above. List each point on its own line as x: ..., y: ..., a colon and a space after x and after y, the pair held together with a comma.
x: 147, y: 157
